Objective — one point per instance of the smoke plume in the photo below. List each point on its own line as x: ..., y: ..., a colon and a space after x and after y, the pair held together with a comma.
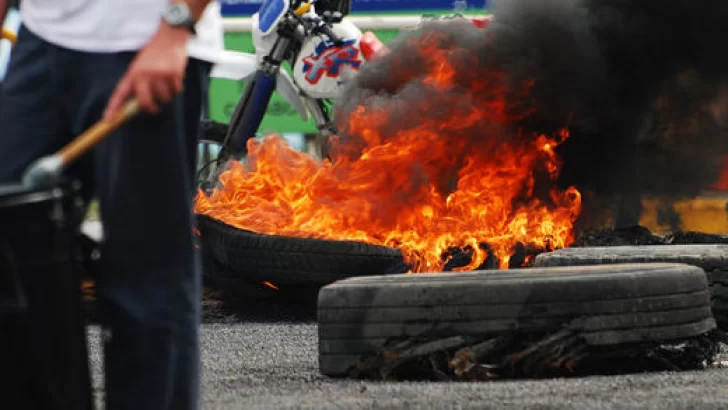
x: 639, y: 84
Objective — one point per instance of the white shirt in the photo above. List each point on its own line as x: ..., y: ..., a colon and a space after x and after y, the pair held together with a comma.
x: 114, y: 25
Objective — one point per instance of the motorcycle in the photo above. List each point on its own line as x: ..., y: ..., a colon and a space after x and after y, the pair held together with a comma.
x: 323, y: 50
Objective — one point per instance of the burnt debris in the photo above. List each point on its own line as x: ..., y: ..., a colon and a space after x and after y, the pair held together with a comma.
x: 522, y: 256
x: 632, y: 235
x: 557, y: 353
x: 639, y: 235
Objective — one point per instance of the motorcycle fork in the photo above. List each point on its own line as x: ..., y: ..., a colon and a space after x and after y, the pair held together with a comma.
x: 324, y: 124
x: 254, y: 103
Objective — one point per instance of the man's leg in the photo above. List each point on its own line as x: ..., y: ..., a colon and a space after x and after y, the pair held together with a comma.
x: 196, y: 102
x: 149, y: 287
x: 194, y: 98
x: 51, y: 354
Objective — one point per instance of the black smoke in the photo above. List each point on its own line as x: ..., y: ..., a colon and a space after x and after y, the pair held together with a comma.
x: 638, y: 83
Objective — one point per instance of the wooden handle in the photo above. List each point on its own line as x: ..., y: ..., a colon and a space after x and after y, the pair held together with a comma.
x: 96, y: 133
x: 9, y: 35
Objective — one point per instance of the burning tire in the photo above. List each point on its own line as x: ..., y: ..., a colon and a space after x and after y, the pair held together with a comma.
x: 282, y: 261
x: 361, y: 318
x: 713, y: 259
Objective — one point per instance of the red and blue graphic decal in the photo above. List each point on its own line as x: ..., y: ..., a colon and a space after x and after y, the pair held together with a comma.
x: 329, y: 59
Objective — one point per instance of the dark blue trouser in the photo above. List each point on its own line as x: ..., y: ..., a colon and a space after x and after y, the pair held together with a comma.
x: 143, y: 175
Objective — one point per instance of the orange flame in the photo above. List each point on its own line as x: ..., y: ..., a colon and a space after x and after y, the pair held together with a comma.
x: 270, y: 285
x: 424, y: 186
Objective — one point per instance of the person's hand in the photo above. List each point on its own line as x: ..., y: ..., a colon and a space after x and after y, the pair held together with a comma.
x: 156, y: 73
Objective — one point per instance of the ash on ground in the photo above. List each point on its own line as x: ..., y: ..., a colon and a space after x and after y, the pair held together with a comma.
x: 639, y: 235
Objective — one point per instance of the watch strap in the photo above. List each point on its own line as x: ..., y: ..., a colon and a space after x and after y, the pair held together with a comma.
x: 179, y: 15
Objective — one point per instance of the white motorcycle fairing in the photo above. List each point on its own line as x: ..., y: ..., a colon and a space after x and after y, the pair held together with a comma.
x: 297, y: 91
x: 262, y: 41
x: 322, y: 68
x: 270, y: 13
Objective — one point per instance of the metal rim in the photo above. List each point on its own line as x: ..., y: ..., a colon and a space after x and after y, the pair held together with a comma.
x: 18, y: 195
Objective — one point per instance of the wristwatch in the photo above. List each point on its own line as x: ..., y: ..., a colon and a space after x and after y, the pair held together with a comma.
x: 179, y: 15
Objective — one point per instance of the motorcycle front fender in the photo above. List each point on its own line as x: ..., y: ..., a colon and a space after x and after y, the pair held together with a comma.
x: 233, y: 65
x: 239, y: 66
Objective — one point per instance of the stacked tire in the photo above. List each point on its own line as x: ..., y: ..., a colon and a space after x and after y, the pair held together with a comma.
x: 612, y: 304
x: 712, y: 259
x: 719, y: 288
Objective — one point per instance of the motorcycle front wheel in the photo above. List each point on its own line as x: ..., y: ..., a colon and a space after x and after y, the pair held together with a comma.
x: 209, y: 151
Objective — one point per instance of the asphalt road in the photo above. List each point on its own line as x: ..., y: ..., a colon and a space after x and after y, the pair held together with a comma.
x: 268, y: 360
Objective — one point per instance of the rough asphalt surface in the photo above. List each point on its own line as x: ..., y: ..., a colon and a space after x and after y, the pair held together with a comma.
x: 267, y: 359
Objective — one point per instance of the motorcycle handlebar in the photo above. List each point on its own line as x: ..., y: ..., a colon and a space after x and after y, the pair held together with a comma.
x: 317, y: 25
x: 326, y: 29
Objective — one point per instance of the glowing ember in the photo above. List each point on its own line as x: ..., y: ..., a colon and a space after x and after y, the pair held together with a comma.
x: 410, y: 175
x: 270, y: 285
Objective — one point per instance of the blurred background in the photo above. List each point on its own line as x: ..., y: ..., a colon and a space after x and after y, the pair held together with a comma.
x: 384, y: 17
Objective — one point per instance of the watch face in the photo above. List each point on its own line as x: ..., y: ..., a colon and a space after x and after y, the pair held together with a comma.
x: 177, y: 14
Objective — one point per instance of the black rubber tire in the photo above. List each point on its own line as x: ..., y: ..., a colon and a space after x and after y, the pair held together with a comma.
x: 617, y: 303
x: 214, y: 131
x: 293, y: 261
x: 713, y: 259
